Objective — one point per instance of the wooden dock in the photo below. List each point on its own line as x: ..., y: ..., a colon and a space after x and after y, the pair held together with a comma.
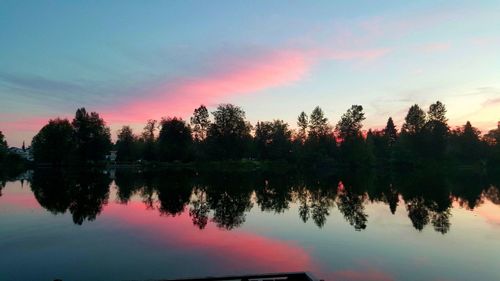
x: 292, y: 276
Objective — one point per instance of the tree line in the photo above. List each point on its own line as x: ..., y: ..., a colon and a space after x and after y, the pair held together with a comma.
x: 225, y: 134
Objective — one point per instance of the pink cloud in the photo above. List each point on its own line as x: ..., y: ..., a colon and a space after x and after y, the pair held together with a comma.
x: 237, y: 77
x: 180, y: 97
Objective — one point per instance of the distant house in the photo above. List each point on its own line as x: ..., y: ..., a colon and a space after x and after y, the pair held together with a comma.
x: 23, y: 153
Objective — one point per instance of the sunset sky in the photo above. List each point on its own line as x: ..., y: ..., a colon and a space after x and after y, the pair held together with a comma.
x: 137, y: 60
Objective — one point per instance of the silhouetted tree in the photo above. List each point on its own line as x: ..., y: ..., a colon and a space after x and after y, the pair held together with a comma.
x: 318, y: 123
x: 303, y: 124
x: 200, y: 122
x: 350, y: 124
x: 493, y: 140
x: 273, y: 140
x: 126, y: 145
x: 414, y: 120
x: 175, y: 140
x: 390, y: 132
x: 354, y: 150
x: 4, y: 148
x: 465, y: 144
x: 378, y: 146
x: 435, y: 132
x: 148, y: 140
x: 409, y: 148
x: 229, y: 135
x: 437, y: 112
x: 320, y: 144
x: 55, y: 143
x: 92, y: 137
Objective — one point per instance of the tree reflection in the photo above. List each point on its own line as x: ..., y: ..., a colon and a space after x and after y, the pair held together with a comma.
x: 174, y: 192
x: 224, y: 198
x: 83, y: 193
x: 229, y: 198
x: 200, y: 208
x: 351, y: 206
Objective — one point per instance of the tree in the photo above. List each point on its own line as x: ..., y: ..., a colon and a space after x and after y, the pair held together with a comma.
x: 200, y: 122
x: 273, y: 140
x: 437, y: 112
x: 174, y: 141
x: 493, y: 140
x: 353, y: 148
x: 390, y: 132
x: 350, y: 125
x: 435, y: 132
x: 4, y: 148
x: 148, y: 140
x: 414, y: 120
x: 320, y: 144
x: 126, y: 145
x: 493, y: 136
x: 229, y: 134
x: 302, y: 123
x: 318, y: 123
x: 54, y: 143
x: 465, y: 143
x: 93, y: 138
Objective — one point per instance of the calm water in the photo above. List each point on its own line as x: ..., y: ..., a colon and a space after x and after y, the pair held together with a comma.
x: 116, y: 225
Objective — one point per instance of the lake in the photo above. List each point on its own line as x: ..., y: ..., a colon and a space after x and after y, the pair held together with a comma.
x: 135, y: 224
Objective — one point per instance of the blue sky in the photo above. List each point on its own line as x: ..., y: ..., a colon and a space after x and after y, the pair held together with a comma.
x: 136, y: 60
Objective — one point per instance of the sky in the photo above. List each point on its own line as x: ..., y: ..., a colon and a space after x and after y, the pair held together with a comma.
x: 137, y: 60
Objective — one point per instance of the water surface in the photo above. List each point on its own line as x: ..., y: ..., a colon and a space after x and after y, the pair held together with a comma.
x: 127, y: 224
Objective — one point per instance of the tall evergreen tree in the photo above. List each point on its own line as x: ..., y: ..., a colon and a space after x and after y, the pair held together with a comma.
x: 318, y: 123
x: 390, y: 132
x: 303, y: 124
x: 414, y: 120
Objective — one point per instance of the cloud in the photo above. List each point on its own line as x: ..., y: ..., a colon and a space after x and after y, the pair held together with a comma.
x: 38, y: 83
x: 233, y: 77
x: 180, y: 96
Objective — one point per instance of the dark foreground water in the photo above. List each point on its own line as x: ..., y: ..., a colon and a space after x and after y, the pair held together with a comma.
x: 123, y: 225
